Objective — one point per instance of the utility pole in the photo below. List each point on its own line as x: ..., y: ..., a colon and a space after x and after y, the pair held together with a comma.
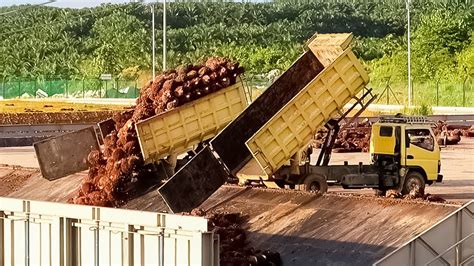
x: 408, y: 2
x: 164, y: 35
x: 153, y: 38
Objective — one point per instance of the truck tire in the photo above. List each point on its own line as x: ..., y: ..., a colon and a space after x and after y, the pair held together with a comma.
x: 413, y: 179
x: 315, y: 184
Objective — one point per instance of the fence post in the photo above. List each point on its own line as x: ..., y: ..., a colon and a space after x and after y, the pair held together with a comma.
x: 464, y: 92
x: 3, y: 89
x: 67, y: 88
x: 19, y: 88
x: 136, y: 88
x: 83, y: 88
x: 437, y: 92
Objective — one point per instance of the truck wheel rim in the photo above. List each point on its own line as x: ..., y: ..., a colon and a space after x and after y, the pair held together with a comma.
x: 314, y: 187
x: 413, y: 183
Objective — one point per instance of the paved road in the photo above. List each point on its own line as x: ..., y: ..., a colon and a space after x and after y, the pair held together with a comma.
x: 457, y: 168
x: 23, y: 156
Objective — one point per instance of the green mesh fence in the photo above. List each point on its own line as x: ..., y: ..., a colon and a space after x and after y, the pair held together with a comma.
x: 427, y: 93
x: 87, y: 88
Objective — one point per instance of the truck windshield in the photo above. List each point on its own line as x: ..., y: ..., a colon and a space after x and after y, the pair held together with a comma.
x: 421, y: 138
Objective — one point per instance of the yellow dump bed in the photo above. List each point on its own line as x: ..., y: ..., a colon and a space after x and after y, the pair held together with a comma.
x: 291, y: 129
x: 178, y: 130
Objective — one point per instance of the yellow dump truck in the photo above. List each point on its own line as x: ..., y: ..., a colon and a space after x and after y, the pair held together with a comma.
x: 264, y: 143
x: 404, y: 156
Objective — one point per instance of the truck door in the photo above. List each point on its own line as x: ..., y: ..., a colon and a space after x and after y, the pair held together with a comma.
x: 422, y: 150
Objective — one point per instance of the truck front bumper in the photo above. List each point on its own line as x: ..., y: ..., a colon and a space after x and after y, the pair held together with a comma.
x: 440, y: 178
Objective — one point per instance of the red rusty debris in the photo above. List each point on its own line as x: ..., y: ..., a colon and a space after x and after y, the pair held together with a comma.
x: 116, y: 170
x: 355, y: 137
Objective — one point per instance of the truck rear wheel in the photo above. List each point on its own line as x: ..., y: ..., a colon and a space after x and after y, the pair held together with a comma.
x: 414, y: 180
x: 315, y: 184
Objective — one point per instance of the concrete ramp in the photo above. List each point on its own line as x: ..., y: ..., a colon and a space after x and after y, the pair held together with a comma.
x: 59, y: 190
x: 327, y: 230
x: 308, y: 229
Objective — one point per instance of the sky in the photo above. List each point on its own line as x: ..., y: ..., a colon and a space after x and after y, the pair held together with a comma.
x: 62, y: 3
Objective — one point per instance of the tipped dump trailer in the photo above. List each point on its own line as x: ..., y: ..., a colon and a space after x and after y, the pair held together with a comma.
x: 314, y: 89
x: 266, y: 142
x: 169, y: 133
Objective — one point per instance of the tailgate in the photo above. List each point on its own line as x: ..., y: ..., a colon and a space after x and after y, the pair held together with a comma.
x: 66, y: 154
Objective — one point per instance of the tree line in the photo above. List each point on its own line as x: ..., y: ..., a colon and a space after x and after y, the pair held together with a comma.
x: 47, y: 42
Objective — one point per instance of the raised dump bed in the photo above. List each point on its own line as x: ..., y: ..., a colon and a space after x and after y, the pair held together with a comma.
x: 179, y: 129
x: 289, y: 130
x: 279, y: 122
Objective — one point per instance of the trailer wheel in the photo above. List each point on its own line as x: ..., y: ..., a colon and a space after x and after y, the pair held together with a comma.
x: 413, y: 180
x: 315, y: 184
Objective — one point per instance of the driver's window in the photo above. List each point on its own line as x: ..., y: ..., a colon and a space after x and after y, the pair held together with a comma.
x: 421, y: 138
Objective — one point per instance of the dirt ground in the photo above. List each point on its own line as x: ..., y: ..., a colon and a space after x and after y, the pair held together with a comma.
x: 53, y: 117
x: 21, y: 106
x: 13, y: 178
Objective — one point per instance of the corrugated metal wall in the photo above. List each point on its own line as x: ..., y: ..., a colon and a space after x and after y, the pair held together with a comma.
x: 450, y: 242
x: 46, y: 233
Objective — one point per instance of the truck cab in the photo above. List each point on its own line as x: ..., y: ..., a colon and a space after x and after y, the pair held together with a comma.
x: 406, y: 144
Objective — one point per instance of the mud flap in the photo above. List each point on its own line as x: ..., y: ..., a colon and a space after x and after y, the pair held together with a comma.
x: 66, y: 154
x: 194, y: 182
x: 401, y: 183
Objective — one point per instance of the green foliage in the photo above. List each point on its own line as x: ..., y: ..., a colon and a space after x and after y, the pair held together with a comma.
x: 46, y: 42
x: 423, y: 109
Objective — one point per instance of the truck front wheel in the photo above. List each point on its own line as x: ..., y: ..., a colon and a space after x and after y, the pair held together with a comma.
x: 414, y: 180
x: 315, y: 184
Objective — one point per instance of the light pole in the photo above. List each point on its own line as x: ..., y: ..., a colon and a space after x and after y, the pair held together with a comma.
x: 409, y: 54
x: 153, y: 36
x: 164, y: 35
x: 153, y: 39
